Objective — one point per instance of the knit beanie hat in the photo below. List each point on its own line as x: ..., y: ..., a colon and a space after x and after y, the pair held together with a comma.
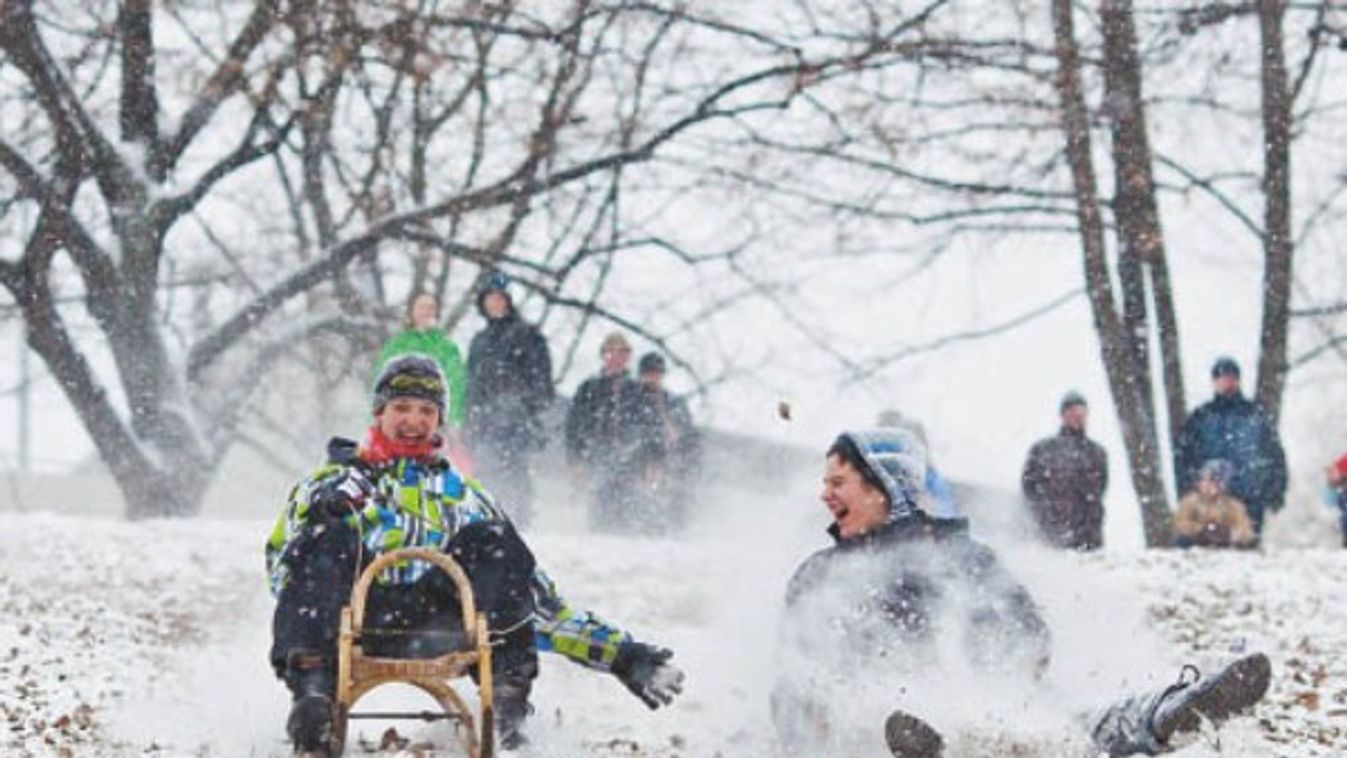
x: 651, y: 362
x: 410, y: 375
x: 496, y: 281
x: 1225, y: 366
x: 1069, y: 399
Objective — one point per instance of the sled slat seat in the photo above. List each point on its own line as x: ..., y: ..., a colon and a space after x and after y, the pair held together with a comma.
x: 358, y: 673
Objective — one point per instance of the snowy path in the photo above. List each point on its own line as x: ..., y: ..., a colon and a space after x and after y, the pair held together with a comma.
x: 150, y: 639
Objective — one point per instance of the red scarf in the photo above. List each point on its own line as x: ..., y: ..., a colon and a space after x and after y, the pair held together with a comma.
x: 379, y: 449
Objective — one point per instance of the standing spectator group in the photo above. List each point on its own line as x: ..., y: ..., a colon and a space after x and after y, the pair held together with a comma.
x: 631, y: 442
x: 1229, y: 468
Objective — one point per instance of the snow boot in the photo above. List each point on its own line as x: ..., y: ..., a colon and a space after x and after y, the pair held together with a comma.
x: 910, y: 737
x: 1183, y: 705
x: 1144, y: 723
x: 312, y: 684
x: 511, y: 702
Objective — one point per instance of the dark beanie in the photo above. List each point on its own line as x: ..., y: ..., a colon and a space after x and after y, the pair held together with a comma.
x: 409, y: 375
x: 1069, y: 399
x: 651, y: 362
x: 1225, y: 366
x: 496, y: 281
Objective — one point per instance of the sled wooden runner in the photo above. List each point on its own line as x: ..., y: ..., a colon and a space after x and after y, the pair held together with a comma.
x: 358, y: 673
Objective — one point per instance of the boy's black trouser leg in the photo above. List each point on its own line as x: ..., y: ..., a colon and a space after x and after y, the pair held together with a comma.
x: 322, y: 563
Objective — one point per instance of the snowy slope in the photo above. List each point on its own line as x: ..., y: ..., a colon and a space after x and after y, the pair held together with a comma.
x: 151, y: 638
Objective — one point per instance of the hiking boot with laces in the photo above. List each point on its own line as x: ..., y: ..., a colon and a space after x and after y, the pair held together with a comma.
x: 1184, y: 705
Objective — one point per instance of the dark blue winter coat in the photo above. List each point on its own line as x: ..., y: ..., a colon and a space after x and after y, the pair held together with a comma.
x: 1233, y: 428
x: 908, y: 574
x: 509, y: 384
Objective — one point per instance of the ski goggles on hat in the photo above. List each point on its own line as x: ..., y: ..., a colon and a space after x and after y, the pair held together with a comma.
x: 409, y: 383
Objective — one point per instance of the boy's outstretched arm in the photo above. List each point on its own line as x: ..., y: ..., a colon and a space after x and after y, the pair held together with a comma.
x: 585, y: 638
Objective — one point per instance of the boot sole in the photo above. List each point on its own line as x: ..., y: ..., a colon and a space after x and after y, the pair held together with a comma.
x: 1240, y: 685
x: 910, y: 737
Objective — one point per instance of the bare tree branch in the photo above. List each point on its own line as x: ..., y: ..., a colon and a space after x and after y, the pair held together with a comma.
x: 227, y: 80
x: 504, y: 192
x: 873, y: 366
x: 1331, y: 309
x: 1206, y: 186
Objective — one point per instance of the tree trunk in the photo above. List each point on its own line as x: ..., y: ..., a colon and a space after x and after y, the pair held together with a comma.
x: 1277, y: 244
x: 1140, y: 236
x: 169, y: 483
x: 1167, y: 322
x: 1122, y: 373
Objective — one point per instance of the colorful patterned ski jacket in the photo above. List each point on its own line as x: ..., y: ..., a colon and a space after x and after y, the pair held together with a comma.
x: 424, y: 504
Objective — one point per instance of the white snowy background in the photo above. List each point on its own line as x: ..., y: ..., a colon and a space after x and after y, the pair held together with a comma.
x: 150, y: 638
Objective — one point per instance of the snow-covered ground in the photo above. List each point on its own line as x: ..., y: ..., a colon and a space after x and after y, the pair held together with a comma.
x: 151, y: 639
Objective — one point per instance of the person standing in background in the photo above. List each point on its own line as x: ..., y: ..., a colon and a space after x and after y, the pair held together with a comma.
x: 667, y: 461
x: 509, y: 389
x: 1064, y: 480
x: 1233, y: 428
x: 602, y: 429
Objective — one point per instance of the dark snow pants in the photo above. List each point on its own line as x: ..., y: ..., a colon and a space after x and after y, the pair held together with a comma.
x: 325, y: 561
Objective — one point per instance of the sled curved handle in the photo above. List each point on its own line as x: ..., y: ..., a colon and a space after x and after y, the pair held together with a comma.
x: 441, y: 561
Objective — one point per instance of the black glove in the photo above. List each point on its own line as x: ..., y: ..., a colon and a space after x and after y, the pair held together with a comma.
x: 646, y: 671
x: 341, y: 493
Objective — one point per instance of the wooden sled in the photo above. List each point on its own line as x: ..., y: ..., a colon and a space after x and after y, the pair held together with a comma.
x: 358, y: 673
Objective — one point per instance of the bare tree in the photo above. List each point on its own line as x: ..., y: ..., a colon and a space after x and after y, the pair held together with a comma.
x: 541, y: 113
x: 1124, y: 364
x: 1141, y: 241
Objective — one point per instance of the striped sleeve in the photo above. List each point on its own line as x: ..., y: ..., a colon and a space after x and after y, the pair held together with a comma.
x: 288, y: 524
x: 580, y: 636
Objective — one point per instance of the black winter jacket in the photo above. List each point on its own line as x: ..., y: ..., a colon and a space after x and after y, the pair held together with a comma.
x: 1064, y: 480
x: 509, y: 382
x: 665, y: 427
x: 604, y: 423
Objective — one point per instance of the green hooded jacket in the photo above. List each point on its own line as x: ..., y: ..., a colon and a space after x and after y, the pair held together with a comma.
x: 436, y: 344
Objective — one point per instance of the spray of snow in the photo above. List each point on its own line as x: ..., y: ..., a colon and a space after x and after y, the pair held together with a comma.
x: 175, y: 621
